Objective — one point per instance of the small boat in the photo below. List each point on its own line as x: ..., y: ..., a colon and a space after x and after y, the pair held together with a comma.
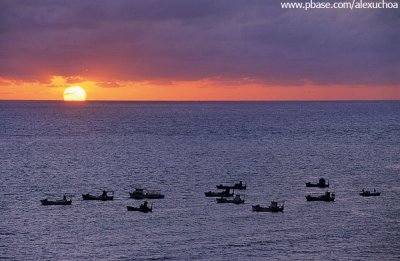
x: 235, y: 200
x: 225, y: 193
x: 274, y: 207
x: 140, y: 193
x: 367, y: 193
x: 64, y: 201
x: 239, y: 185
x: 143, y: 208
x: 328, y: 196
x: 321, y: 184
x: 103, y: 197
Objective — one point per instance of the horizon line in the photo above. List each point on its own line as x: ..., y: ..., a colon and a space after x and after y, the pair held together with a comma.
x: 333, y: 100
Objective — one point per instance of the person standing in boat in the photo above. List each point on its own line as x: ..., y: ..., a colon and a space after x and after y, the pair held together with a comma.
x: 104, y: 193
x: 144, y: 205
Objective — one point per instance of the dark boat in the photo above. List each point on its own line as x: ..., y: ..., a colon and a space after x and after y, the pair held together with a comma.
x: 274, y: 207
x: 321, y: 184
x: 328, y: 196
x: 139, y: 209
x: 236, y: 200
x: 140, y: 193
x: 225, y: 193
x: 103, y: 197
x: 143, y: 208
x: 64, y: 201
x: 239, y: 185
x: 367, y: 193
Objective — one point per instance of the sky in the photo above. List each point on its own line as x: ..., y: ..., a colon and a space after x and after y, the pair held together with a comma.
x: 197, y: 50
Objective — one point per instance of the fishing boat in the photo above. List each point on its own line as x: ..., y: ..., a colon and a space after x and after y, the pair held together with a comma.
x: 328, y: 196
x: 274, y: 207
x: 225, y: 193
x: 140, y: 193
x: 239, y: 185
x: 106, y: 195
x: 64, y: 201
x: 139, y: 209
x: 321, y: 184
x: 235, y: 200
x: 367, y: 193
x: 143, y: 208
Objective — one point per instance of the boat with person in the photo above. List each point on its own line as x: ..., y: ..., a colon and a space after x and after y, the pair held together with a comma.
x: 328, y: 196
x: 367, y: 193
x: 239, y: 186
x: 237, y: 199
x: 321, y: 184
x: 274, y: 207
x: 145, y: 208
x: 225, y: 193
x: 140, y: 193
x: 64, y: 201
x: 105, y: 196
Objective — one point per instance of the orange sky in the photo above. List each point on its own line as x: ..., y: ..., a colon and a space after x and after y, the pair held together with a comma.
x: 190, y: 90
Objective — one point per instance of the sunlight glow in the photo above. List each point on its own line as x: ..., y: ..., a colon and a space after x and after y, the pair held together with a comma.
x: 74, y: 93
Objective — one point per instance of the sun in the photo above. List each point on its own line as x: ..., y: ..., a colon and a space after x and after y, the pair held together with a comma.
x: 74, y: 93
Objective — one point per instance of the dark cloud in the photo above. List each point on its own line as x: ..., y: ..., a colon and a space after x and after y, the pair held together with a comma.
x: 192, y: 40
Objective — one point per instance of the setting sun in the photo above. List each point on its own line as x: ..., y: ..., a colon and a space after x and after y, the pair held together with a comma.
x: 74, y: 93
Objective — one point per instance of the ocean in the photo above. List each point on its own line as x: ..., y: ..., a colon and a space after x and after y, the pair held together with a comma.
x: 49, y: 148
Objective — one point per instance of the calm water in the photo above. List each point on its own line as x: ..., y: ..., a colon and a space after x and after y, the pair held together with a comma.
x: 184, y: 149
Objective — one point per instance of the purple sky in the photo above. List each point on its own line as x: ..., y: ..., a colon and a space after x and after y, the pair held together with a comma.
x: 193, y: 40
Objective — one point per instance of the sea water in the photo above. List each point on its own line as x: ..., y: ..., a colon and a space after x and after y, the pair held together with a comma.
x: 49, y: 148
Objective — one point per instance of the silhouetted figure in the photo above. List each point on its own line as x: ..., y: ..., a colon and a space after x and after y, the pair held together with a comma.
x: 104, y: 193
x: 64, y: 198
x: 374, y: 190
x: 144, y: 205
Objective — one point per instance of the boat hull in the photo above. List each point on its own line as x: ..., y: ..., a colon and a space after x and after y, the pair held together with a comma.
x: 231, y: 187
x: 101, y: 198
x: 46, y: 202
x: 313, y: 185
x: 143, y: 196
x: 370, y: 194
x: 136, y: 196
x: 129, y: 208
x: 267, y: 209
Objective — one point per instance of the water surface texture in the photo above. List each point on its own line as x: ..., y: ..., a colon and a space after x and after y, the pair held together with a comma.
x: 185, y: 149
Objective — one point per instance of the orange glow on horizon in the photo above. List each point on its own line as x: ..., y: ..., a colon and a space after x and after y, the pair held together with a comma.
x: 201, y: 90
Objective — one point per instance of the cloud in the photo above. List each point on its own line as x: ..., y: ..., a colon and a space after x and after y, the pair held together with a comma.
x: 111, y: 41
